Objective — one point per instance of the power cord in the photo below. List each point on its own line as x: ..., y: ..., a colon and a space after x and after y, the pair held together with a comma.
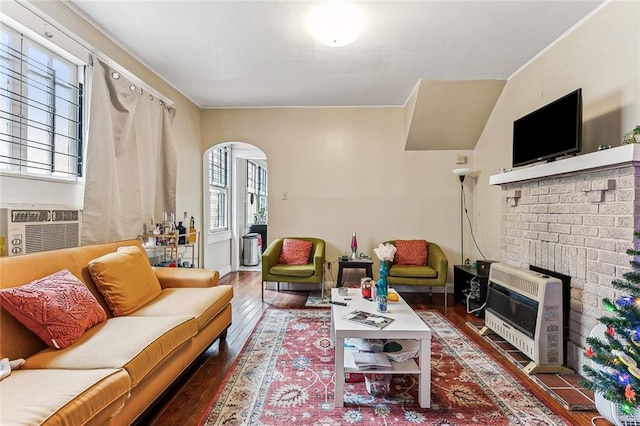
x: 473, y: 292
x: 473, y: 237
x: 330, y: 263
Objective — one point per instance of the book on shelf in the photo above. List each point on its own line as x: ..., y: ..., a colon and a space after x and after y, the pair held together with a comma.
x: 371, y: 361
x: 351, y: 377
x: 402, y: 349
x: 369, y: 319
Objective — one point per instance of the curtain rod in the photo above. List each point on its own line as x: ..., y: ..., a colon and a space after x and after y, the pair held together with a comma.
x: 89, y: 49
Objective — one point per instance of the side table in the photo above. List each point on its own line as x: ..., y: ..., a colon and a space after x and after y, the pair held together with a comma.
x: 358, y: 263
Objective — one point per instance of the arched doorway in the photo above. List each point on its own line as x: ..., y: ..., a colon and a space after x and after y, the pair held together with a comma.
x: 234, y: 199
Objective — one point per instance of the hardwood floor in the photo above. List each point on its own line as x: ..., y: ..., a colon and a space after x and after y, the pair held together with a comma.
x: 187, y: 400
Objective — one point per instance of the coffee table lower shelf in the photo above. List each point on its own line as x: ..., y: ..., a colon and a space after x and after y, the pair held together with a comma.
x: 406, y: 367
x: 344, y: 364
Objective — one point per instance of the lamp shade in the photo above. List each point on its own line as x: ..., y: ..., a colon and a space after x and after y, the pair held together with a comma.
x: 461, y: 172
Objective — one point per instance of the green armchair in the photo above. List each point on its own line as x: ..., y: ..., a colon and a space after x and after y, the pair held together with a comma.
x: 313, y: 272
x: 434, y: 274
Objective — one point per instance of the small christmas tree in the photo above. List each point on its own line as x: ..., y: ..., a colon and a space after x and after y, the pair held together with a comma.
x: 618, y: 353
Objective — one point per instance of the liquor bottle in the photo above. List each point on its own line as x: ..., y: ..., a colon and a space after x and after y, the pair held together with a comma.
x: 192, y: 230
x: 182, y: 234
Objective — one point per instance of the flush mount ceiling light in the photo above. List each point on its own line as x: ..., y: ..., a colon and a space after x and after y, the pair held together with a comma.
x: 335, y: 23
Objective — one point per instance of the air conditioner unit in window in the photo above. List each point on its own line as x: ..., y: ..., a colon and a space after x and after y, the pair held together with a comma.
x: 39, y: 229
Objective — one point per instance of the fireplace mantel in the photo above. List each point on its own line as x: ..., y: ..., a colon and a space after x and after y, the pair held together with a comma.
x: 594, y: 160
x: 575, y: 217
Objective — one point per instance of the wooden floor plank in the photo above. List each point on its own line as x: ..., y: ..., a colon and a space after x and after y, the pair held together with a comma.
x: 187, y: 401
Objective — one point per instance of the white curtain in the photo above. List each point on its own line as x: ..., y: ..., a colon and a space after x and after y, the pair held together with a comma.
x: 131, y: 159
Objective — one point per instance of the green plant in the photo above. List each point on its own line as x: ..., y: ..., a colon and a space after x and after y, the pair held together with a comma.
x: 636, y: 130
x: 260, y: 217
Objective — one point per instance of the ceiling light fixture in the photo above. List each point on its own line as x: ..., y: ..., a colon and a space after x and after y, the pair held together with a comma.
x: 335, y: 23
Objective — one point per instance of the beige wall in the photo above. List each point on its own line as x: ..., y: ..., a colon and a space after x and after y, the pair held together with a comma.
x: 602, y: 56
x: 345, y: 170
x: 186, y: 126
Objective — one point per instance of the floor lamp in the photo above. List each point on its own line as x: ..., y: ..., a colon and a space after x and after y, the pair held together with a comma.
x: 461, y: 173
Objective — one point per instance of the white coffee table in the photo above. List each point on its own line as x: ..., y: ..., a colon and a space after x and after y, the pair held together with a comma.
x: 406, y: 325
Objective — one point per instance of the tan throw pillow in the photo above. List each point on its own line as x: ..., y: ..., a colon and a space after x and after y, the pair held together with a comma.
x: 411, y: 252
x: 59, y: 308
x: 295, y: 252
x: 125, y: 279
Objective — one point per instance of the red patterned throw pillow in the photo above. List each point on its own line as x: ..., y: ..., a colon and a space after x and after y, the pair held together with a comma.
x: 411, y: 252
x: 59, y: 308
x: 295, y: 252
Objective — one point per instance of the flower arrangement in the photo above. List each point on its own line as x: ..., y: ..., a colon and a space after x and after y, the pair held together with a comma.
x: 385, y: 252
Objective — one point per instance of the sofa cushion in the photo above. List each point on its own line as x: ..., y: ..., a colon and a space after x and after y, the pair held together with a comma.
x: 62, y: 397
x: 137, y: 344
x: 59, y: 308
x: 125, y: 279
x: 298, y: 271
x: 405, y: 271
x: 295, y: 252
x: 186, y: 277
x: 201, y: 303
x: 411, y: 252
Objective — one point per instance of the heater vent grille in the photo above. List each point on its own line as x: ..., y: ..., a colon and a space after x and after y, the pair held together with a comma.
x: 515, y: 279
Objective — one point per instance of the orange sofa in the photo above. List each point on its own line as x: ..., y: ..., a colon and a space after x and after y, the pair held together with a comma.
x: 117, y: 368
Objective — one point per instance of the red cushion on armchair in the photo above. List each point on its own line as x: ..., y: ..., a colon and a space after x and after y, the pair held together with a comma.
x: 411, y: 252
x: 295, y: 252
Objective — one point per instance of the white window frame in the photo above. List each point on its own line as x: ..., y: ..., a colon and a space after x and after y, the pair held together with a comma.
x: 218, y: 181
x: 50, y: 146
x: 256, y: 188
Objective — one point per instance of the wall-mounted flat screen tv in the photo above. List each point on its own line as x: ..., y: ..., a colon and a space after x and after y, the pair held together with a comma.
x: 550, y: 132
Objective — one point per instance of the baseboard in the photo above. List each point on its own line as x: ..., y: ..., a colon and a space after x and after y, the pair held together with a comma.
x: 291, y: 286
x: 420, y: 289
x: 400, y: 288
x: 225, y: 271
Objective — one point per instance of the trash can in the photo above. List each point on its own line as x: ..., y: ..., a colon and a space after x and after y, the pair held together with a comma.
x: 262, y: 230
x: 250, y: 249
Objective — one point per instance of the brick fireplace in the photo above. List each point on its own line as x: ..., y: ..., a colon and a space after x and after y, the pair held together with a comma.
x: 575, y: 216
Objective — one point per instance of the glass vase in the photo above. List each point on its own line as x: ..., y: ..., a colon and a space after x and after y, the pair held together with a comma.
x: 381, y: 288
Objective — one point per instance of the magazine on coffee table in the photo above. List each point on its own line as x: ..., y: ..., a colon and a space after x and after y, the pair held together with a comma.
x: 369, y: 319
x: 371, y: 361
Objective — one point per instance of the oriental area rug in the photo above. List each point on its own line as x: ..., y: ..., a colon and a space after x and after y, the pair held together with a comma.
x: 285, y: 375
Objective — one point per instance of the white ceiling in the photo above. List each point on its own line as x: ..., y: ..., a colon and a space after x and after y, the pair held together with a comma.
x: 258, y: 53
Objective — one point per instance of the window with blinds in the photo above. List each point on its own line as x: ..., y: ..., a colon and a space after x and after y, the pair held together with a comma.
x: 40, y: 109
x: 218, y: 188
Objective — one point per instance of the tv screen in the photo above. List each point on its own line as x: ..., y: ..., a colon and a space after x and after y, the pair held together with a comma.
x: 549, y: 132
